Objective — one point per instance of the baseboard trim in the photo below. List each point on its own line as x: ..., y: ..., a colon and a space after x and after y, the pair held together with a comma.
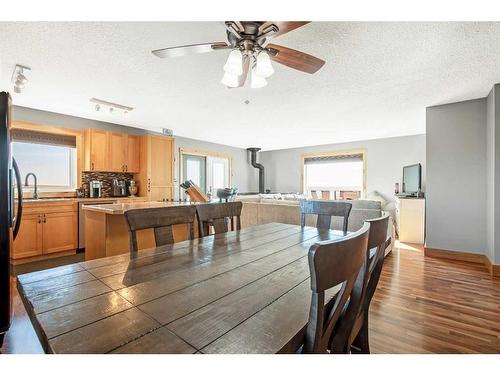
x: 494, y: 269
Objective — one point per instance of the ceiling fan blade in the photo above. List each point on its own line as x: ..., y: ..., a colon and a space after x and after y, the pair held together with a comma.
x: 246, y: 67
x: 295, y: 59
x: 189, y: 49
x: 283, y: 26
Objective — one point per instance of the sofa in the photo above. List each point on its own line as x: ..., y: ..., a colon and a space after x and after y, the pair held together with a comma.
x: 263, y: 209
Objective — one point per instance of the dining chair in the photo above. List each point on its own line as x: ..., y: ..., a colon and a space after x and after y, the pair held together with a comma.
x: 325, y: 210
x: 161, y: 220
x: 351, y: 335
x: 332, y: 264
x: 218, y: 215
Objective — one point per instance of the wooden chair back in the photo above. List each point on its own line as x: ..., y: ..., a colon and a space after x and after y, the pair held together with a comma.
x: 161, y: 220
x: 325, y: 210
x: 218, y: 215
x: 332, y: 263
x: 351, y: 321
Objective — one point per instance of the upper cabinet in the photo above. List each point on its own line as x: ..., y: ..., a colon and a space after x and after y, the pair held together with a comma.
x: 133, y: 154
x: 96, y: 150
x: 111, y: 151
x: 117, y: 149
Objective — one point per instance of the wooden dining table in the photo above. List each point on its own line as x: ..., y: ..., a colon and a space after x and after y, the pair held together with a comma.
x: 246, y: 291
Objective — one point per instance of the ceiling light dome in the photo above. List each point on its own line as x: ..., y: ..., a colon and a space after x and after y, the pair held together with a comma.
x: 230, y: 80
x: 264, y: 66
x: 257, y: 80
x: 234, y: 63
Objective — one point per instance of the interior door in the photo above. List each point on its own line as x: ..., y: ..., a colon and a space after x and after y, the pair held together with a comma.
x: 195, y: 169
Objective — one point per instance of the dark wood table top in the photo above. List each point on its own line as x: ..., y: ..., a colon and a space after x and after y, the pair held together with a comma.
x: 240, y: 292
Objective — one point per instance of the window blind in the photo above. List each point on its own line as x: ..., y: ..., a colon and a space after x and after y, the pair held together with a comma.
x: 33, y: 136
x: 333, y: 158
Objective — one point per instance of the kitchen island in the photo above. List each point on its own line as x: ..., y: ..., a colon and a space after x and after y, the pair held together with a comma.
x: 106, y: 230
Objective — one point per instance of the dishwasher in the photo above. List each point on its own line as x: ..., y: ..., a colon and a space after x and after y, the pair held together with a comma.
x: 81, y: 219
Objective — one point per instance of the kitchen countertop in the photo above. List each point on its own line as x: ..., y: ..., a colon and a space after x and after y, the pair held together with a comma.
x: 120, y: 208
x: 74, y: 199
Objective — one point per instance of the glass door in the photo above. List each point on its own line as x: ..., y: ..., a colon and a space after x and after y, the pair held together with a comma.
x: 194, y: 168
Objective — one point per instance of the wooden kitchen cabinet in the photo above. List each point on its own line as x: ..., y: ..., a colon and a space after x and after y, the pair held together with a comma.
x: 132, y: 154
x: 28, y: 242
x: 117, y: 150
x: 46, y: 228
x: 96, y: 150
x: 111, y: 151
x: 156, y: 178
x: 59, y: 232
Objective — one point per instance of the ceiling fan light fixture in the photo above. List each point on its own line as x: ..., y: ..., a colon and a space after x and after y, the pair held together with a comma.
x: 257, y: 81
x: 234, y: 63
x: 264, y: 66
x: 230, y: 80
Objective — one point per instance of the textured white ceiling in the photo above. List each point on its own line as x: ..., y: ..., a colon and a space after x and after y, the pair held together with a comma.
x: 377, y: 80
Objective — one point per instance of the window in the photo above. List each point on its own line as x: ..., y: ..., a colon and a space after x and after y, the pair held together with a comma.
x: 334, y: 176
x: 51, y: 158
x: 209, y: 171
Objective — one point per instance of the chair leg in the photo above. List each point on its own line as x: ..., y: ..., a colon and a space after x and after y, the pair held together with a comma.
x: 362, y: 342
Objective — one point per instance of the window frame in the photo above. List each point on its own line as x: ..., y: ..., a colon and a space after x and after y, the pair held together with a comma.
x: 305, y: 156
x: 78, y: 134
x: 206, y: 153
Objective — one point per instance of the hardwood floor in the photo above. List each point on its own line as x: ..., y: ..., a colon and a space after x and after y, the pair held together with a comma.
x: 422, y: 305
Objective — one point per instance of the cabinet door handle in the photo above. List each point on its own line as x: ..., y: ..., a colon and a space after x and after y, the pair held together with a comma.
x: 44, y: 218
x: 39, y: 219
x: 92, y: 166
x: 126, y: 168
x: 149, y: 185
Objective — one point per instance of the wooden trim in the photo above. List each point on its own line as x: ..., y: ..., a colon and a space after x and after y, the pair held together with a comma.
x: 361, y: 151
x: 200, y: 152
x: 494, y: 269
x: 57, y: 130
x: 454, y: 255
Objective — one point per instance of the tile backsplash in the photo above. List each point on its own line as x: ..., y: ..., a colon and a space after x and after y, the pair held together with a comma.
x: 106, y: 178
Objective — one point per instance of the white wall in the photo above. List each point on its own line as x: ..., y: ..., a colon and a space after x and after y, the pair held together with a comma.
x: 490, y: 175
x: 456, y: 176
x: 385, y: 160
x: 493, y: 175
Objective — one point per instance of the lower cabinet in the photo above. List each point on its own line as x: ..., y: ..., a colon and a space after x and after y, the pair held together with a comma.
x: 46, y: 233
x: 28, y: 242
x: 59, y: 232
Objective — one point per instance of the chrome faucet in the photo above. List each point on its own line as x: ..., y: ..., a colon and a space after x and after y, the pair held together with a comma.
x: 35, y: 192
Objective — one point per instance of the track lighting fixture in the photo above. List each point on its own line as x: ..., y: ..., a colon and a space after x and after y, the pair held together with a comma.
x: 19, y: 77
x: 111, y: 106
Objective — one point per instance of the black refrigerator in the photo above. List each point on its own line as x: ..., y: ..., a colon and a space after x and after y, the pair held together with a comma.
x: 10, y: 212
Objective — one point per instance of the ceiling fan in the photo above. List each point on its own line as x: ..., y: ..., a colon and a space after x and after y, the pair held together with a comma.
x: 250, y: 51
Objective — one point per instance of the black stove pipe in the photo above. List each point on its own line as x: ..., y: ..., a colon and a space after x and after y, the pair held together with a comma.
x: 260, y: 167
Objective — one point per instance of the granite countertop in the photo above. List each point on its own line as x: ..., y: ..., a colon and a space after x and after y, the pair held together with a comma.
x: 120, y: 208
x: 75, y: 199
